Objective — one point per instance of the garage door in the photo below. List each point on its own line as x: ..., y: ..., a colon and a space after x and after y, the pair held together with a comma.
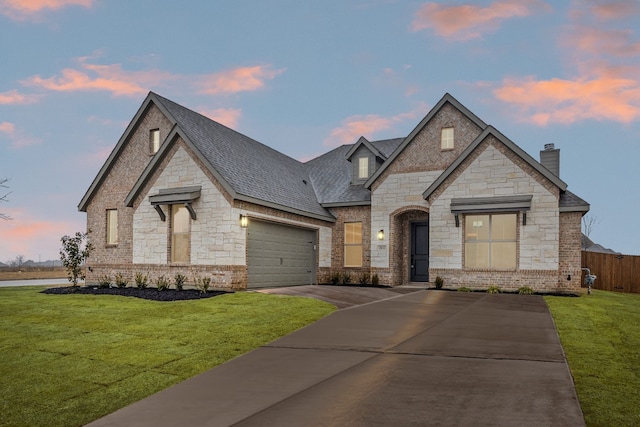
x: 279, y: 255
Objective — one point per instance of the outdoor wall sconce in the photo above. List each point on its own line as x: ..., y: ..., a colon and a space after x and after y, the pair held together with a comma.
x: 381, y: 235
x: 244, y: 221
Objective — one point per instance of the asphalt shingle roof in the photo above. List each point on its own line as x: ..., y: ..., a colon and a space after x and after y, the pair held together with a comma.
x: 248, y: 166
x: 331, y: 174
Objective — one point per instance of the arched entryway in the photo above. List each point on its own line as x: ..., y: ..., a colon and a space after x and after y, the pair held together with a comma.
x: 409, y: 254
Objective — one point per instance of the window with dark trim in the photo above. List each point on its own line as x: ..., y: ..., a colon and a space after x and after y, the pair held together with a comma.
x: 490, y: 241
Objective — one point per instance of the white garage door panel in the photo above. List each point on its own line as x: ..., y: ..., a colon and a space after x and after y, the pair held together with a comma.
x: 279, y: 255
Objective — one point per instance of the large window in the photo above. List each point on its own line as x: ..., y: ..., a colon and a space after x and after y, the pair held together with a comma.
x: 112, y: 226
x: 353, y: 244
x: 490, y: 241
x: 363, y: 167
x: 446, y: 139
x: 154, y: 140
x: 180, y: 234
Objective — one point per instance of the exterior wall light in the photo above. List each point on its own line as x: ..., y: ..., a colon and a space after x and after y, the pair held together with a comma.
x: 381, y: 235
x: 244, y: 221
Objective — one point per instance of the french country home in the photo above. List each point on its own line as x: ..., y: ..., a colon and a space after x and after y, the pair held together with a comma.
x: 181, y: 193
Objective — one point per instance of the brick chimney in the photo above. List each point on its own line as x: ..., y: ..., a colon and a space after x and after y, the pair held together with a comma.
x: 550, y: 159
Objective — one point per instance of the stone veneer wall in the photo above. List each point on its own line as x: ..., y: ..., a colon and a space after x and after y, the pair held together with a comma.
x: 495, y: 171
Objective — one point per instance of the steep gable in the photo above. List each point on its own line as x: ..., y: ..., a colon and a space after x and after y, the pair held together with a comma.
x: 248, y: 170
x: 421, y: 151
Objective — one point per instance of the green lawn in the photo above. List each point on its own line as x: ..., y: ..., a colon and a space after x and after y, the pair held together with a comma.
x: 600, y: 334
x: 66, y: 360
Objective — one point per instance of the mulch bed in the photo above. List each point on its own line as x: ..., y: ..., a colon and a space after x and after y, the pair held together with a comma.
x: 149, y: 293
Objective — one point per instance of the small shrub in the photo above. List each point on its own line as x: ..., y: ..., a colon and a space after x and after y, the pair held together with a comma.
x: 335, y: 278
x: 162, y: 283
x: 465, y: 289
x: 525, y: 290
x: 179, y: 280
x: 202, y: 284
x: 104, y: 281
x: 375, y: 280
x: 364, y: 279
x: 493, y: 289
x: 142, y: 280
x: 346, y: 278
x: 121, y: 282
x: 439, y: 282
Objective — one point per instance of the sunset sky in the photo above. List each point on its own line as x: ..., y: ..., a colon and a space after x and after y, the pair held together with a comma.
x: 306, y: 76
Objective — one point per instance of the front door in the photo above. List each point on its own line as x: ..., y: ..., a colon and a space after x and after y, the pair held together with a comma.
x: 420, y: 252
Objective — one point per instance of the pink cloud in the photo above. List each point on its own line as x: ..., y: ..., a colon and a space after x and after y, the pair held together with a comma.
x: 33, y: 237
x: 14, y: 97
x: 16, y: 137
x: 22, y: 9
x: 8, y: 128
x: 615, y: 9
x: 601, y: 41
x: 238, y: 80
x: 605, y: 97
x: 93, y: 77
x: 465, y: 22
x: 226, y: 116
x: 355, y: 126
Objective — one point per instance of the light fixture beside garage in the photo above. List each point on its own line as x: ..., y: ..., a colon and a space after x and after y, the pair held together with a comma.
x: 244, y: 221
x: 381, y: 235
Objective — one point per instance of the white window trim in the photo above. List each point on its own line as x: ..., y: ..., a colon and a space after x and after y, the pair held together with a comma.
x: 490, y: 241
x: 348, y: 245
x: 154, y: 138
x: 363, y: 167
x: 112, y: 227
x: 447, y: 138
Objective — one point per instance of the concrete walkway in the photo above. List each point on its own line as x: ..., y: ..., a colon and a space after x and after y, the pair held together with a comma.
x: 425, y: 358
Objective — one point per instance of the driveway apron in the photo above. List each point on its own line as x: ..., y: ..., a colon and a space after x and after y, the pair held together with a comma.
x: 431, y: 358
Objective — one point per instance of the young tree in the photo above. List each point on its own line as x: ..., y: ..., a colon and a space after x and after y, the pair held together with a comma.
x: 589, y: 222
x: 3, y: 197
x: 74, y: 252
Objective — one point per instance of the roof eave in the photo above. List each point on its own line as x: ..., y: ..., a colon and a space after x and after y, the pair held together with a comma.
x: 289, y: 209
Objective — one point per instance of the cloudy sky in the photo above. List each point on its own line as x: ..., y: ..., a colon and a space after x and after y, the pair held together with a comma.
x: 307, y: 76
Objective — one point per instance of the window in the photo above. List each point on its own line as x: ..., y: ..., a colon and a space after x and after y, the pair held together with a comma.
x: 154, y: 139
x: 353, y: 244
x: 112, y: 226
x: 180, y: 234
x: 490, y: 241
x: 446, y: 139
x: 363, y: 167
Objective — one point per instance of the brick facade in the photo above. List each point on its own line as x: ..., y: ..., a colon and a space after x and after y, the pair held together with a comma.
x: 548, y: 246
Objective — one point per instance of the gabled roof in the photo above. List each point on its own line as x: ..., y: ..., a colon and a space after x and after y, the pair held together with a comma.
x: 248, y: 170
x: 490, y: 130
x: 331, y: 175
x: 363, y: 141
x: 447, y: 98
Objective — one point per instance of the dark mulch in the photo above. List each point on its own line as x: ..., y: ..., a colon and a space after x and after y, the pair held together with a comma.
x: 149, y: 293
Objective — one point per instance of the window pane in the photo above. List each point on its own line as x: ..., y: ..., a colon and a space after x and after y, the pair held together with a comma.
x: 112, y: 226
x: 353, y: 256
x: 447, y: 138
x: 503, y: 227
x: 353, y: 233
x: 180, y: 234
x: 155, y: 140
x: 503, y: 255
x: 363, y: 167
x: 476, y: 255
x: 476, y: 227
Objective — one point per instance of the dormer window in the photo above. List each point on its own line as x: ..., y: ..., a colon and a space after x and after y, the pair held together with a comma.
x: 363, y: 167
x: 446, y: 139
x: 154, y: 140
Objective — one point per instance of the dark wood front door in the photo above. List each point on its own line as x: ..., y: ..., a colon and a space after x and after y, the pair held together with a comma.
x: 420, y: 252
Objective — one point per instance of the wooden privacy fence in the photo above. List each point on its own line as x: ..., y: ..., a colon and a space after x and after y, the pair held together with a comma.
x: 615, y: 272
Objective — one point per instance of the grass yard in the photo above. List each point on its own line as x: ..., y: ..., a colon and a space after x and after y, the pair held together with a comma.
x: 600, y: 334
x: 66, y: 360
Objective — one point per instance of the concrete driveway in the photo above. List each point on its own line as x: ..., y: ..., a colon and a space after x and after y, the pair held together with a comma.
x: 432, y: 358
